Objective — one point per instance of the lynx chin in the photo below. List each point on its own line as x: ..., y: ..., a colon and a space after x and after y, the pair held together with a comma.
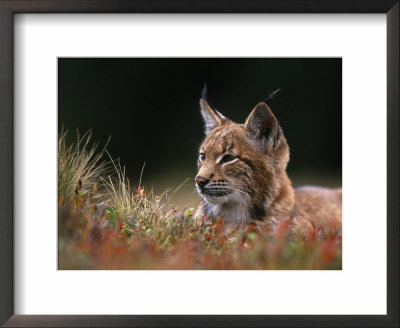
x: 242, y: 175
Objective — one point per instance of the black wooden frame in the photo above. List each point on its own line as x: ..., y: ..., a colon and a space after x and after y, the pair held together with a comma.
x: 7, y: 10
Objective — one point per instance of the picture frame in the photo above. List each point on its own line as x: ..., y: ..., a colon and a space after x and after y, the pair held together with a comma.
x: 7, y: 11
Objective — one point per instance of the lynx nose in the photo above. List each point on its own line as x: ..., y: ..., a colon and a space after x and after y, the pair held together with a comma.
x: 200, y: 181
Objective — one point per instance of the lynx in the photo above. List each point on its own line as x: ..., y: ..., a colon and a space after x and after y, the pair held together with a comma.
x: 242, y: 175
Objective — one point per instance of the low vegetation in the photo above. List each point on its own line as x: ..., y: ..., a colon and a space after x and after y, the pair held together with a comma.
x: 105, y: 223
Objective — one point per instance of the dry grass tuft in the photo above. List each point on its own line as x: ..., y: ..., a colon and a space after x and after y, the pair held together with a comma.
x: 80, y: 166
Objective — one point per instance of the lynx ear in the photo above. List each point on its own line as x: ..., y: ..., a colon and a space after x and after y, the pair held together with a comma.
x: 212, y: 118
x: 263, y: 126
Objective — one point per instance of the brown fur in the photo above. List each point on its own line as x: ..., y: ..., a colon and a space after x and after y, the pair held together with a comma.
x: 244, y: 167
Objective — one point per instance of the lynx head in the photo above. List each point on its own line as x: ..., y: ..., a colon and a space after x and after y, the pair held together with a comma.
x: 241, y: 163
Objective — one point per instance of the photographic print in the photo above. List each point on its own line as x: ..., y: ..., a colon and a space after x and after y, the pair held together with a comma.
x: 200, y: 163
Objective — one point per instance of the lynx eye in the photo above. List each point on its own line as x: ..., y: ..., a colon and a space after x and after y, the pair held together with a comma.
x: 202, y: 157
x: 228, y: 158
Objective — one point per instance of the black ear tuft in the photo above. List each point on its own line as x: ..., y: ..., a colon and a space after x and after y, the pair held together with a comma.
x: 272, y: 95
x: 204, y: 92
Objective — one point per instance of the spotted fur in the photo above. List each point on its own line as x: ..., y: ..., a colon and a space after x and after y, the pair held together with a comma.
x: 242, y: 174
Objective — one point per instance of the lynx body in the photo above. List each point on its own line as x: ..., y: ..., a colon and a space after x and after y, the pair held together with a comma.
x: 242, y: 175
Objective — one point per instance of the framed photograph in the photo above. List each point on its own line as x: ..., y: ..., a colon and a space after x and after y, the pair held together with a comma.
x: 212, y: 164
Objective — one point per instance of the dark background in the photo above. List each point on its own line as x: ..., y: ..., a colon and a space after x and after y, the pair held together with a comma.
x: 150, y: 107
